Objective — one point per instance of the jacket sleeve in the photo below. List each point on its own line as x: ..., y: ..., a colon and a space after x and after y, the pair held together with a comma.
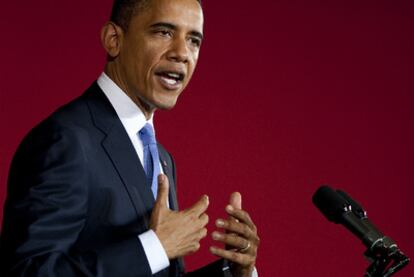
x: 219, y: 268
x: 46, y: 210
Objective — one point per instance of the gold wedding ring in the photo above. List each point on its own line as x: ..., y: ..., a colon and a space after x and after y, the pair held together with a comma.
x: 244, y: 249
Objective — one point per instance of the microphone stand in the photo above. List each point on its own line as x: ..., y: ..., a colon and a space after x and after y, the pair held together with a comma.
x: 385, y: 257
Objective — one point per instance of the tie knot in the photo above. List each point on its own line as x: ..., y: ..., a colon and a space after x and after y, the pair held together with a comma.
x: 147, y: 135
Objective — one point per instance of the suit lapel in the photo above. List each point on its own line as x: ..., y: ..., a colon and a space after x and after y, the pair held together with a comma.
x: 126, y: 162
x: 120, y: 150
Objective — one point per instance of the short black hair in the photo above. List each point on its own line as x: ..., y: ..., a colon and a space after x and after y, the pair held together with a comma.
x: 124, y: 10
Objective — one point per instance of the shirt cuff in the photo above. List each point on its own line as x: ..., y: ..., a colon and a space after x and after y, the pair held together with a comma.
x: 156, y: 256
x: 254, y: 273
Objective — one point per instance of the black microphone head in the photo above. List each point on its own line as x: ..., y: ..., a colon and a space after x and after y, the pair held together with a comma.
x: 357, y: 209
x: 330, y: 203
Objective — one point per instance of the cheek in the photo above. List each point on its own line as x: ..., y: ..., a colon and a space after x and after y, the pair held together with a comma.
x: 152, y: 52
x: 148, y: 62
x: 194, y: 60
x: 144, y: 57
x: 192, y: 66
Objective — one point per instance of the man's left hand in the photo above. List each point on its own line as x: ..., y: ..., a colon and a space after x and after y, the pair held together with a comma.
x: 240, y: 238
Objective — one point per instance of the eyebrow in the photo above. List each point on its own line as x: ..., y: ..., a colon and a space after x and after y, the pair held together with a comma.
x: 174, y: 27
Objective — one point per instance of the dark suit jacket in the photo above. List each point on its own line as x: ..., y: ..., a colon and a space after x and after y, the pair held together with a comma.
x: 78, y: 198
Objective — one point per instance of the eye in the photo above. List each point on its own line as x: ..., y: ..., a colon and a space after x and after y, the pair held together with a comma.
x: 195, y: 41
x: 164, y: 32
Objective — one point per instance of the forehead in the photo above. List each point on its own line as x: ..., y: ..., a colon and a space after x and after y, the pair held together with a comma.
x: 185, y: 14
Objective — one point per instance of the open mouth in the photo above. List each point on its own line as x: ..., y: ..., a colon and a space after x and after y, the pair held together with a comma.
x: 170, y: 79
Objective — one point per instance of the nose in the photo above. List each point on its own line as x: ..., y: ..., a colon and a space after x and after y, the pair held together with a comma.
x: 178, y: 51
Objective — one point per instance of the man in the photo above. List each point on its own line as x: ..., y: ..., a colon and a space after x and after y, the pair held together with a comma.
x: 85, y: 197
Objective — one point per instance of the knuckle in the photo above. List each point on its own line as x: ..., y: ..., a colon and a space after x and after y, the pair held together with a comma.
x: 232, y: 225
x: 254, y: 228
x: 224, y: 238
x: 203, y: 233
x: 206, y: 218
x: 192, y: 217
x: 240, y: 242
x: 227, y: 239
x: 245, y: 229
x: 234, y: 256
x: 194, y: 247
x: 203, y: 219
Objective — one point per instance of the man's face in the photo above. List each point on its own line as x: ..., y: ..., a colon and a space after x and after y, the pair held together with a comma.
x: 159, y: 52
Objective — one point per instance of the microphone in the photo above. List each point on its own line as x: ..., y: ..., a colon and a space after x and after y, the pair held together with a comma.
x: 338, y: 207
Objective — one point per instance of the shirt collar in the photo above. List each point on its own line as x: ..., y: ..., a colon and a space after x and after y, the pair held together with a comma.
x: 128, y: 112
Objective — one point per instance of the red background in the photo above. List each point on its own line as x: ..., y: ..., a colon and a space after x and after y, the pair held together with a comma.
x: 288, y: 95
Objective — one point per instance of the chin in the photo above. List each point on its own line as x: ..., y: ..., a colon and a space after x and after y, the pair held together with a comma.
x: 166, y: 105
x: 166, y: 102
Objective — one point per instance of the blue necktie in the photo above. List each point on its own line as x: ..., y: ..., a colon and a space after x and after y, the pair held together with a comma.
x: 151, y: 157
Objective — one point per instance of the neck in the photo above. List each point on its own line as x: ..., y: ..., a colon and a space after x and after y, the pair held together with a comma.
x: 113, y: 73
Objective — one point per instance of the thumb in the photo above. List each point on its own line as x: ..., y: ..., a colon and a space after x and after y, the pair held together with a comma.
x: 163, y: 191
x: 236, y: 200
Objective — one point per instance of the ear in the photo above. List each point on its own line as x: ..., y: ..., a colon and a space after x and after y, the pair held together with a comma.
x: 111, y: 38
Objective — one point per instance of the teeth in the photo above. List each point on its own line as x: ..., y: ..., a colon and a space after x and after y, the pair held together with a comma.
x: 174, y: 75
x: 170, y: 81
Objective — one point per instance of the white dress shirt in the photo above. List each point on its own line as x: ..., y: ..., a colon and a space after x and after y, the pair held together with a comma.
x: 134, y: 120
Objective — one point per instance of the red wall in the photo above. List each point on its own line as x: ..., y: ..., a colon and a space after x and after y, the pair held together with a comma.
x: 288, y: 95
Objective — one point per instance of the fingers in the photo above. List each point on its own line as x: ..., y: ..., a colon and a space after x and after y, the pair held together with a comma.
x: 236, y: 200
x: 163, y: 190
x: 240, y: 215
x: 203, y: 220
x: 231, y: 241
x: 200, y: 207
x: 239, y: 237
x: 195, y: 239
x: 234, y: 227
x: 202, y: 233
x: 235, y: 257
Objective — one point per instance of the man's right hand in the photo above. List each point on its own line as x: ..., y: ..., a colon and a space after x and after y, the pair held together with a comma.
x: 179, y: 232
